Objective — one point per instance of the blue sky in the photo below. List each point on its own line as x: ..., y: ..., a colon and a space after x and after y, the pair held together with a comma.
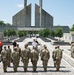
x: 61, y: 10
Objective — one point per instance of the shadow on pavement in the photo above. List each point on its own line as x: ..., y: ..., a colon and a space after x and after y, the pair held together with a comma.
x: 40, y: 66
x: 38, y: 71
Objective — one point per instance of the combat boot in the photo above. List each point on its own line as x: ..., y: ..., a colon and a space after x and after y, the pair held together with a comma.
x: 8, y: 65
x: 15, y: 70
x: 5, y: 70
x: 25, y: 69
x: 34, y: 69
x: 45, y: 69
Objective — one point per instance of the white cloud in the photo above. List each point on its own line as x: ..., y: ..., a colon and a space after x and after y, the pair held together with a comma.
x: 20, y: 5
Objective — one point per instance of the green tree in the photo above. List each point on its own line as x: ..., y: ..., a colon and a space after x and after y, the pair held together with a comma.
x: 2, y: 23
x: 44, y: 32
x: 52, y: 33
x: 13, y: 32
x: 8, y: 24
x: 72, y: 29
x: 9, y: 32
x: 21, y: 33
x: 25, y: 33
x: 30, y: 32
x: 59, y: 32
x: 41, y: 32
x: 5, y: 32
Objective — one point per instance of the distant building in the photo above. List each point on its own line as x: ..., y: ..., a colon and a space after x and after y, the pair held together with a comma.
x: 42, y: 18
x: 68, y: 37
x: 46, y: 19
x: 65, y: 29
x: 22, y: 20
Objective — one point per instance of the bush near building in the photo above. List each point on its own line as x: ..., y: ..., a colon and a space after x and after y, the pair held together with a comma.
x: 46, y: 32
x: 21, y: 33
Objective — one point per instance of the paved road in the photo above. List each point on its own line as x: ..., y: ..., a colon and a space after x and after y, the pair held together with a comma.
x: 66, y: 68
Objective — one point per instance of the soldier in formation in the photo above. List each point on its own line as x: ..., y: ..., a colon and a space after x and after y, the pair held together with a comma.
x: 57, y: 56
x: 19, y: 51
x: 72, y: 50
x: 4, y: 57
x: 25, y: 54
x: 9, y: 55
x: 15, y: 59
x: 45, y: 55
x: 34, y: 58
x: 53, y: 56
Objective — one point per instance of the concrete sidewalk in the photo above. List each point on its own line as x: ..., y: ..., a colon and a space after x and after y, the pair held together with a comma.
x: 66, y: 68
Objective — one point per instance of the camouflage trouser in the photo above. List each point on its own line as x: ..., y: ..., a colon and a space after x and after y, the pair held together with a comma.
x: 58, y: 64
x: 54, y: 62
x: 34, y: 63
x: 72, y: 54
x: 19, y: 61
x: 15, y: 65
x: 5, y: 64
x: 25, y: 64
x: 9, y: 61
x: 45, y: 62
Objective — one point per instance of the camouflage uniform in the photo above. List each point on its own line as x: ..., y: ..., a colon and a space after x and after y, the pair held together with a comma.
x: 34, y: 58
x: 53, y: 57
x: 4, y: 57
x: 72, y: 50
x: 15, y: 58
x: 19, y: 50
x: 25, y: 54
x: 0, y: 58
x: 58, y: 57
x: 41, y: 49
x: 45, y: 55
x: 9, y: 55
